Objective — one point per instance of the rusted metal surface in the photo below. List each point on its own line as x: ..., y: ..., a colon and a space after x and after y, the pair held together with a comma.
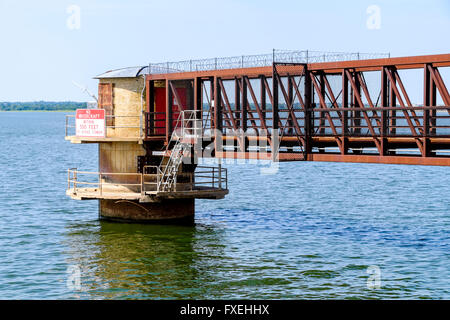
x: 105, y: 101
x: 430, y: 161
x: 351, y: 111
x: 439, y: 60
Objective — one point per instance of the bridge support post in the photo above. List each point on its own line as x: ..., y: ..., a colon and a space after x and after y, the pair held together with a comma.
x: 392, y: 103
x: 217, y: 116
x: 384, y: 114
x: 429, y: 116
x: 344, y: 114
x: 356, y: 114
x: 275, y: 116
x: 309, y: 125
x: 244, y: 110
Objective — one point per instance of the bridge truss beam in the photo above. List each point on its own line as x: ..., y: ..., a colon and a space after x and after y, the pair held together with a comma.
x: 350, y: 111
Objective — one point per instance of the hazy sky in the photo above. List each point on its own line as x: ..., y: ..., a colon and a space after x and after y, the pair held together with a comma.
x: 43, y: 50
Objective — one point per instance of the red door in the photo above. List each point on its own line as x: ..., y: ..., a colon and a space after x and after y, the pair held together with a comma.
x: 160, y: 109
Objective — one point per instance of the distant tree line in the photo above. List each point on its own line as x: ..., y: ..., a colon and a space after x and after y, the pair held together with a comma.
x: 41, y: 106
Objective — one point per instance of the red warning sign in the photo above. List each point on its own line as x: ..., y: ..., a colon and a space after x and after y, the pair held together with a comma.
x: 90, y: 123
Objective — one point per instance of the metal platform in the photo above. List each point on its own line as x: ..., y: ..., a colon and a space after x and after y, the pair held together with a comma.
x: 149, y: 196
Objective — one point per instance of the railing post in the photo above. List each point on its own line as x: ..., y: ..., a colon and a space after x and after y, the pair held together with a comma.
x: 100, y: 183
x: 226, y: 178
x: 220, y: 173
x: 157, y: 179
x: 183, y: 119
x: 75, y: 181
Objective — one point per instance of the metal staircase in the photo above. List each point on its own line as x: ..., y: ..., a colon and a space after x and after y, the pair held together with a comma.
x: 186, y: 131
x: 169, y: 173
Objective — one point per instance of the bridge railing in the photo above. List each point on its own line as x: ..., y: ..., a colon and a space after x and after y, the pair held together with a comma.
x: 382, y: 121
x: 399, y: 121
x: 259, y: 60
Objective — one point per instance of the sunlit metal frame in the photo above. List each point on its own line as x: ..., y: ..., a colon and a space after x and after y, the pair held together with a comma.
x: 354, y: 125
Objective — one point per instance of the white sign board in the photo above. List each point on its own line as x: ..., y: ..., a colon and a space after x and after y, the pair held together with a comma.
x: 90, y: 123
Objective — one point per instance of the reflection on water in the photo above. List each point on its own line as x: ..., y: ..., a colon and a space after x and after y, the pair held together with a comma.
x: 142, y: 261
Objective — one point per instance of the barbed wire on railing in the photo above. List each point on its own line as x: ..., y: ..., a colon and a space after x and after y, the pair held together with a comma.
x: 260, y: 60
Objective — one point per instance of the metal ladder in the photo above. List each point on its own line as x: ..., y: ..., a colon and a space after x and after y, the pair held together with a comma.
x: 168, y: 178
x: 169, y: 174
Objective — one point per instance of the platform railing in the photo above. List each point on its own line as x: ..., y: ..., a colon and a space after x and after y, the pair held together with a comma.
x: 70, y: 124
x: 188, y: 125
x: 100, y: 183
x: 96, y: 179
x: 215, y: 177
x: 155, y: 124
x: 154, y: 185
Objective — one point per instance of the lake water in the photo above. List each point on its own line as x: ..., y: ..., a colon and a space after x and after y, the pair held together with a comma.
x: 311, y: 230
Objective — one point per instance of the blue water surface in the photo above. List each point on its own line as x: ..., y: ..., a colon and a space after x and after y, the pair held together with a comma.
x: 311, y: 230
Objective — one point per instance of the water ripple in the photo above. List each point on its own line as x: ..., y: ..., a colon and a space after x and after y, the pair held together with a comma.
x: 311, y: 231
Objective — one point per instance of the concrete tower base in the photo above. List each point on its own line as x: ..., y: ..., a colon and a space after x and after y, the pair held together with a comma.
x: 179, y: 211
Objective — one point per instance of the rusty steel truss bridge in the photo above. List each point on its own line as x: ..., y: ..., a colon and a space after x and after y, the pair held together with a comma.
x: 382, y: 110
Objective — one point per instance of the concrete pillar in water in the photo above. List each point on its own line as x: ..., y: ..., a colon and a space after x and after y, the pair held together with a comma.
x: 121, y: 157
x: 179, y: 211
